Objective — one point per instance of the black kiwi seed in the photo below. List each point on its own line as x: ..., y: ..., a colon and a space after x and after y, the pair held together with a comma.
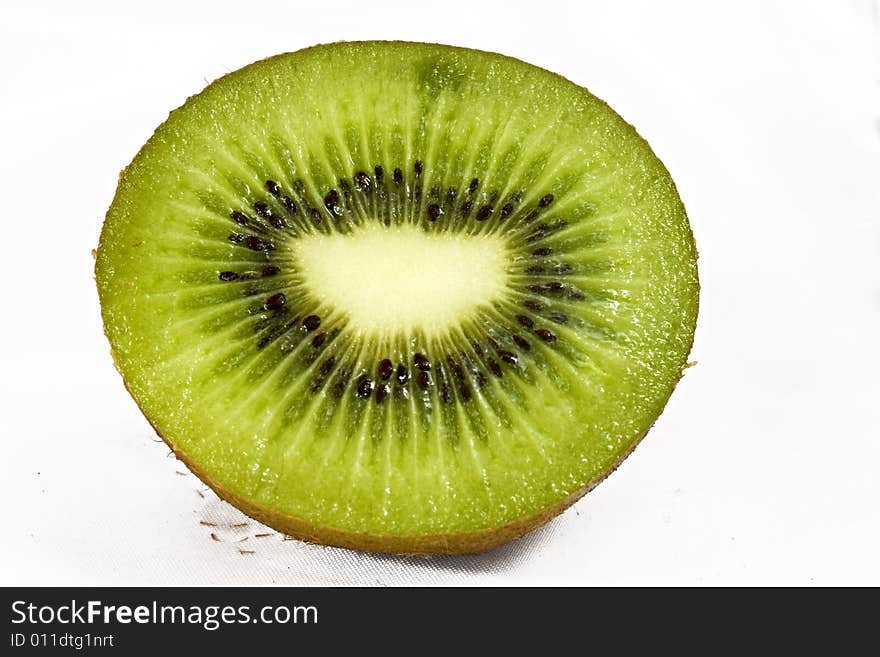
x: 402, y: 374
x: 434, y: 212
x: 363, y: 181
x: 273, y: 188
x: 559, y: 318
x: 256, y: 244
x: 543, y: 251
x: 315, y: 215
x: 386, y: 368
x: 524, y: 321
x: 422, y: 362
x: 331, y: 202
x: 271, y: 270
x: 546, y: 200
x: 424, y: 380
x: 473, y: 186
x: 289, y: 204
x: 495, y: 368
x: 380, y: 173
x: 364, y: 387
x: 563, y: 268
x: 507, y: 210
x: 319, y: 339
x: 398, y: 176
x: 228, y: 276
x: 276, y: 301
x: 508, y: 357
x: 465, y: 392
x: 382, y: 392
x: 545, y: 335
x: 311, y: 323
x: 239, y: 217
x: 262, y: 209
x: 277, y: 221
x: 451, y: 193
x: 535, y: 269
x: 484, y: 213
x: 522, y: 343
x: 466, y: 208
x: 576, y: 295
x: 534, y: 306
x: 417, y: 167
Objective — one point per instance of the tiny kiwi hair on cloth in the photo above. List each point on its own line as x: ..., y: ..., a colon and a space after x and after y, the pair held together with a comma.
x: 398, y: 297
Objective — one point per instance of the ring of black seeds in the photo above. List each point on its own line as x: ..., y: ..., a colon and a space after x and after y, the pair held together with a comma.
x: 451, y: 368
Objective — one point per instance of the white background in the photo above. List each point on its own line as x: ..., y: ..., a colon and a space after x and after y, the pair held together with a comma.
x: 764, y: 467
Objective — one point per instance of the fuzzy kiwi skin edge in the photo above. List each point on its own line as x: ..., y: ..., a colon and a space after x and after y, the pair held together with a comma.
x: 469, y: 542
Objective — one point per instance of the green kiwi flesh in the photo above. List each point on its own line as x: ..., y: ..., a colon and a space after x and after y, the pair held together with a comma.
x: 398, y: 297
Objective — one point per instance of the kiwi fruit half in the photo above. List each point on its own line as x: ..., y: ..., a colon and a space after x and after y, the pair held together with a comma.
x: 398, y: 297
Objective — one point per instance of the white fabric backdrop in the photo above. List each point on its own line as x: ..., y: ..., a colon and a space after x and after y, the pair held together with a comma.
x: 764, y: 467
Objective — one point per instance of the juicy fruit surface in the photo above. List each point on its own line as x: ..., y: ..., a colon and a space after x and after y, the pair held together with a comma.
x: 398, y: 288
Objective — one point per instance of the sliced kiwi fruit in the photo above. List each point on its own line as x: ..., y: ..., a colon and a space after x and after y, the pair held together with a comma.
x: 398, y: 297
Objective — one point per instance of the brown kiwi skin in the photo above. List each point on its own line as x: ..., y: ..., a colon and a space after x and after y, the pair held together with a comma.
x: 467, y: 542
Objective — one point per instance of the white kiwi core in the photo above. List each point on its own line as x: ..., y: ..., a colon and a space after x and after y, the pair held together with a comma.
x: 403, y: 279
